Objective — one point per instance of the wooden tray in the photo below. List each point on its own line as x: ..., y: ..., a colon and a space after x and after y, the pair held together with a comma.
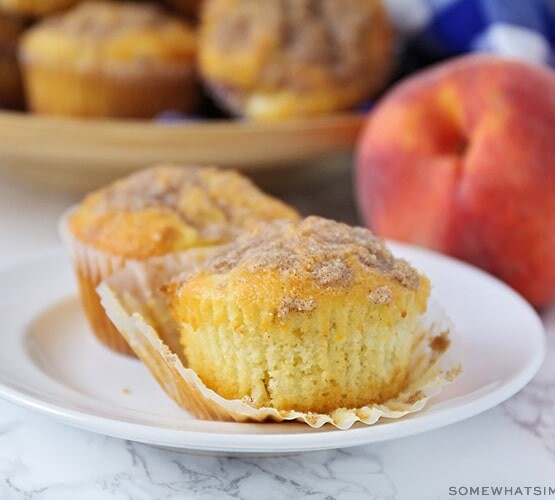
x: 82, y: 154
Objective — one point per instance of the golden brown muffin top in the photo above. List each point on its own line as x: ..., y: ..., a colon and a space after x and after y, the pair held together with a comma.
x: 167, y: 208
x: 112, y: 32
x: 298, y: 262
x: 100, y: 20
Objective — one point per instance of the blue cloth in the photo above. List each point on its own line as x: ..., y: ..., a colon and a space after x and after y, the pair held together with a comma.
x: 519, y: 28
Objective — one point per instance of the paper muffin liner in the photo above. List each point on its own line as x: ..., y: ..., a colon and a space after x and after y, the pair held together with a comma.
x: 91, y: 267
x: 133, y: 301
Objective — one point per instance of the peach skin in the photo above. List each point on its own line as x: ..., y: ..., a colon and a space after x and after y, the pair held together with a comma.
x: 461, y: 158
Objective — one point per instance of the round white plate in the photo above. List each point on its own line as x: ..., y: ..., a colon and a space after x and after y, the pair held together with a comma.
x: 51, y: 363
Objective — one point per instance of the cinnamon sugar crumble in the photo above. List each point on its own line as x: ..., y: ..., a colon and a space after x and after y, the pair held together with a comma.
x: 381, y: 295
x: 333, y: 273
x: 404, y: 273
x: 101, y: 20
x: 217, y: 204
x: 329, y: 253
x: 290, y: 305
x: 330, y: 34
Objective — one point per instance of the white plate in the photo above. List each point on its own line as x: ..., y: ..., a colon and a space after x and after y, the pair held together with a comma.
x: 49, y: 362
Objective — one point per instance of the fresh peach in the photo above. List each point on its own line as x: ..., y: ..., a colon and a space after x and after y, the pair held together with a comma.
x: 461, y: 158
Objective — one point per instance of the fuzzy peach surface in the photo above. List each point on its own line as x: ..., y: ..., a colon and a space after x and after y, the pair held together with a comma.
x: 461, y: 158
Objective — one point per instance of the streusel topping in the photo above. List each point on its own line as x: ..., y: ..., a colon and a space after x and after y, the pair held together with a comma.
x: 98, y: 20
x: 219, y: 204
x: 328, y: 253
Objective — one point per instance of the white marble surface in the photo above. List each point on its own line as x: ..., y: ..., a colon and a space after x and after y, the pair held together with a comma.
x: 512, y: 445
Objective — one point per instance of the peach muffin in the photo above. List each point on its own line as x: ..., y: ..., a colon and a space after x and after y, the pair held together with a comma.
x: 103, y: 59
x: 155, y: 212
x: 310, y: 316
x: 270, y: 59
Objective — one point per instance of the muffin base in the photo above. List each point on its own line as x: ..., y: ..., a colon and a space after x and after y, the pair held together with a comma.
x: 341, y: 358
x: 141, y: 316
x: 115, y: 93
x: 100, y: 324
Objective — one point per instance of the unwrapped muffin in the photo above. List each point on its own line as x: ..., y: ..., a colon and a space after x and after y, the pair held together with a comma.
x: 272, y: 59
x: 158, y: 211
x: 309, y: 316
x: 312, y: 321
x: 105, y: 59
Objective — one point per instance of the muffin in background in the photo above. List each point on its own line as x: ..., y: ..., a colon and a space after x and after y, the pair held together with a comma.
x: 155, y: 212
x: 103, y: 59
x: 310, y: 316
x: 34, y: 8
x: 11, y: 88
x: 270, y: 60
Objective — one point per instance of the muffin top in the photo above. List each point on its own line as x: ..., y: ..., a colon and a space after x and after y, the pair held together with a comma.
x: 292, y: 265
x: 298, y: 45
x: 166, y: 208
x: 109, y: 32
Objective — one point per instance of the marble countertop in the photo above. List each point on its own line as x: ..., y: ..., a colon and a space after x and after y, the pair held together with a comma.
x: 512, y: 445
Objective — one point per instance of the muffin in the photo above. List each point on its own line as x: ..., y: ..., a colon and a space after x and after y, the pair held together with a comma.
x: 103, y: 59
x: 34, y: 8
x: 11, y: 90
x: 311, y: 317
x: 155, y: 212
x: 269, y: 60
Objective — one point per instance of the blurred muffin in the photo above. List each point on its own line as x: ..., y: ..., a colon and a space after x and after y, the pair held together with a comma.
x: 269, y: 60
x: 34, y: 8
x: 155, y: 212
x: 189, y: 8
x: 110, y: 60
x: 310, y: 316
x: 11, y: 90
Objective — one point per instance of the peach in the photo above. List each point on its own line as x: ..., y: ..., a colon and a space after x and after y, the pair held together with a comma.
x: 461, y: 158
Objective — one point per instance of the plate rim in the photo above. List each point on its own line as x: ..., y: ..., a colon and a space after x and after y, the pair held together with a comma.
x: 188, y: 124
x: 279, y: 442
